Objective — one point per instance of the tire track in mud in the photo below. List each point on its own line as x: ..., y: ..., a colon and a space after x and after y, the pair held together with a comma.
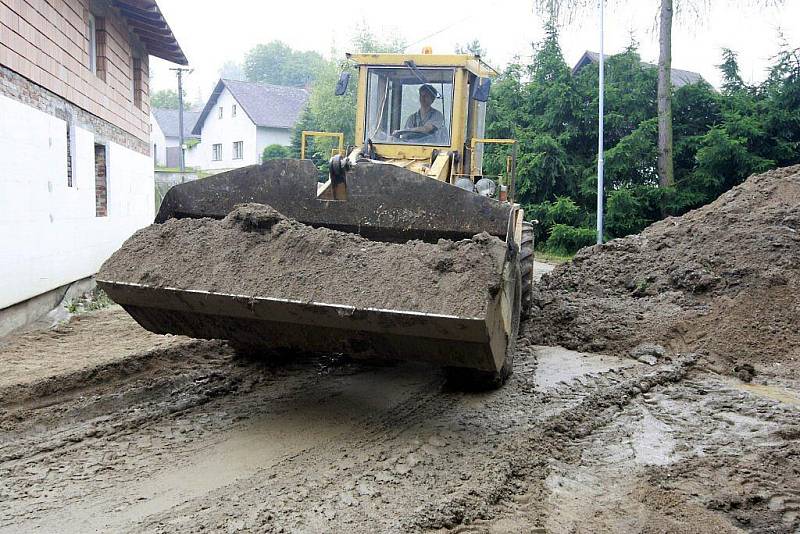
x: 318, y: 445
x: 228, y: 388
x: 382, y: 481
x: 591, y: 403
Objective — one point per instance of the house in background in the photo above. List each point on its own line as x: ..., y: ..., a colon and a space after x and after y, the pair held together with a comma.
x: 165, y: 138
x: 678, y: 77
x: 240, y: 119
x: 76, y: 174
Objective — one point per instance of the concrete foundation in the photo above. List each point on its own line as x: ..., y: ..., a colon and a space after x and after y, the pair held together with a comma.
x: 46, y: 309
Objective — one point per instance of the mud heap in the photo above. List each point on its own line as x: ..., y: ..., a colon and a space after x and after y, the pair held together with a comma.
x: 723, y: 280
x: 257, y: 251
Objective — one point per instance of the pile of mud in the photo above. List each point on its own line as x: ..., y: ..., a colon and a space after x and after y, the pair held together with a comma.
x: 257, y: 251
x: 722, y: 280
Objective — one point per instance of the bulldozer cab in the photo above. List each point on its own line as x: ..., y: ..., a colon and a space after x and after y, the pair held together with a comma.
x: 392, y: 119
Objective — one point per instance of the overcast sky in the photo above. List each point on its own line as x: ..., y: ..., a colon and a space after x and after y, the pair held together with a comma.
x: 212, y: 32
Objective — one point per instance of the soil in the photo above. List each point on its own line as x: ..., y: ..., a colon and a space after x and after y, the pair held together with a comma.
x: 185, y: 436
x: 106, y: 427
x: 722, y: 281
x: 257, y: 251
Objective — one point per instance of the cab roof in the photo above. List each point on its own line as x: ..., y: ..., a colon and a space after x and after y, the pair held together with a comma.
x: 472, y: 63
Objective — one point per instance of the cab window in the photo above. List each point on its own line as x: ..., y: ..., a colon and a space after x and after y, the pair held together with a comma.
x: 395, y: 114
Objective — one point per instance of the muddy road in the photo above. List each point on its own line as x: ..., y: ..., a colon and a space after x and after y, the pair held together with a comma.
x: 153, y: 433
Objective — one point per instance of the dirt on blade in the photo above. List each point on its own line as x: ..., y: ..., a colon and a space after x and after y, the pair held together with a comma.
x: 723, y: 280
x: 257, y: 251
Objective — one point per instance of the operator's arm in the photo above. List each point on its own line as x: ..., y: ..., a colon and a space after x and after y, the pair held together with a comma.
x: 434, y: 122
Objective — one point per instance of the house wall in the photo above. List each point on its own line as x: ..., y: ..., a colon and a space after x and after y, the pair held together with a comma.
x: 49, y: 232
x: 47, y: 42
x: 272, y: 136
x: 158, y: 142
x: 226, y: 131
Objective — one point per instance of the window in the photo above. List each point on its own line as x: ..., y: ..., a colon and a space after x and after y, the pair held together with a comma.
x: 100, y: 181
x: 97, y: 46
x: 137, y: 82
x: 219, y: 112
x: 92, y: 31
x: 233, y: 110
x: 238, y: 149
x: 69, y: 155
x: 394, y: 97
x: 216, y: 152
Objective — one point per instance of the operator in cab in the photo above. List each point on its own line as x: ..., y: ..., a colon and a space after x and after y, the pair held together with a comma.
x: 425, y: 124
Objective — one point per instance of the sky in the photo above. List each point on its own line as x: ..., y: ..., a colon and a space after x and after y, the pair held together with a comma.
x: 212, y: 32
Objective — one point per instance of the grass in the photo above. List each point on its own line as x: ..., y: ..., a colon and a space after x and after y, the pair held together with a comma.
x: 547, y: 256
x: 94, y: 300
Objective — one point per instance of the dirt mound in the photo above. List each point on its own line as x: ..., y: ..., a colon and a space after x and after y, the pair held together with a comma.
x: 723, y: 280
x: 257, y: 251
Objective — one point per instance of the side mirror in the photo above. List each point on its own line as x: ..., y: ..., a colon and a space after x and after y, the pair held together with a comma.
x: 341, y: 84
x: 480, y: 89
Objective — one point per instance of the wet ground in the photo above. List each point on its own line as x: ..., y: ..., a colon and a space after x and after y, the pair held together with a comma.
x: 166, y: 434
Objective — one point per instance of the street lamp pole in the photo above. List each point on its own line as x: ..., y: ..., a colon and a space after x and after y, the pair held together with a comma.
x: 600, y: 158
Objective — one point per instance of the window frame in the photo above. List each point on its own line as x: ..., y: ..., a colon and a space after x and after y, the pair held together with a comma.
x: 238, y: 148
x: 216, y: 152
x: 448, y: 119
x: 220, y: 112
x: 92, y: 28
x: 233, y: 110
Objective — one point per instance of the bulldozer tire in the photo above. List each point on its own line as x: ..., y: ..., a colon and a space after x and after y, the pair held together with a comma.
x: 466, y: 379
x: 526, y: 268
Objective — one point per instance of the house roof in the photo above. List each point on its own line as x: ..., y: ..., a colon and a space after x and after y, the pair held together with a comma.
x: 146, y: 21
x: 272, y: 106
x: 679, y: 77
x: 168, y: 121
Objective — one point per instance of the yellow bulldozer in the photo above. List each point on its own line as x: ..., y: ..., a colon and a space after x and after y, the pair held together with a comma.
x: 415, y: 172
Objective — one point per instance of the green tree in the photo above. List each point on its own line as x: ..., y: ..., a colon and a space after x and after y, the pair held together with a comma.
x: 167, y: 99
x: 472, y: 47
x: 719, y: 138
x: 279, y: 64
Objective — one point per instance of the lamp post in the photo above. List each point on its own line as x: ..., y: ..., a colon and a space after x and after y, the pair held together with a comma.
x: 600, y: 158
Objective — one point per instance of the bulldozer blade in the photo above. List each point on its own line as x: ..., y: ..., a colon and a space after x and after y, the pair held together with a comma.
x: 383, y: 202
x: 285, y: 324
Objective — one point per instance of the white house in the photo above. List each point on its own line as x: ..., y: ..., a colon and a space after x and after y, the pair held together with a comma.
x: 165, y: 137
x: 76, y: 172
x: 240, y: 119
x: 158, y: 142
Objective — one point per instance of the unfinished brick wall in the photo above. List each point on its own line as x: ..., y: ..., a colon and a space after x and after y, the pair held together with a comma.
x: 100, y: 182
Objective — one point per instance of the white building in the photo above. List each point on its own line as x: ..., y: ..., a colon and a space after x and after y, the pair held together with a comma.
x: 240, y: 119
x: 76, y: 173
x: 165, y: 137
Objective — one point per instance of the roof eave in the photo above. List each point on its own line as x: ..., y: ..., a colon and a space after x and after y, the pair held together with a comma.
x: 145, y: 20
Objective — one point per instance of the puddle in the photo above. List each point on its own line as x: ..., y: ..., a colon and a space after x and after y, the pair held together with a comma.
x: 778, y: 393
x: 557, y: 364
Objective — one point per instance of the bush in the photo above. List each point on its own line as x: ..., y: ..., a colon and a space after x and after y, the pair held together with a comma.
x: 624, y: 213
x: 275, y: 152
x: 565, y: 239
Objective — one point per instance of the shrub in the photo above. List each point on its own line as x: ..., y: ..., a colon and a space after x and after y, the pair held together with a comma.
x: 275, y: 152
x: 565, y: 239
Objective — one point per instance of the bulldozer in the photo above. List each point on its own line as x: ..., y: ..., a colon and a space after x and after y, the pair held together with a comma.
x: 415, y: 172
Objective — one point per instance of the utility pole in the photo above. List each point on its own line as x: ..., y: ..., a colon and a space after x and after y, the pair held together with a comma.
x: 179, y: 72
x: 600, y: 158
